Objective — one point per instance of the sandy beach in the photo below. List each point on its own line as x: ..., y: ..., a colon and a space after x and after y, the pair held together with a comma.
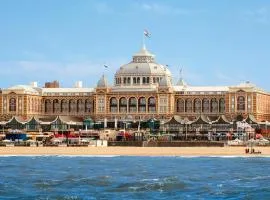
x: 134, y: 151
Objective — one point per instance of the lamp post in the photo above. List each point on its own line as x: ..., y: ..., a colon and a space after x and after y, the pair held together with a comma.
x: 151, y: 125
x: 186, y: 130
x: 210, y: 131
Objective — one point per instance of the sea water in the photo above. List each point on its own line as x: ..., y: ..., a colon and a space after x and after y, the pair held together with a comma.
x: 119, y: 177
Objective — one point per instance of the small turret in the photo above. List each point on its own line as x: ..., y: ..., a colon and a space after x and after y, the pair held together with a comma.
x: 102, y: 83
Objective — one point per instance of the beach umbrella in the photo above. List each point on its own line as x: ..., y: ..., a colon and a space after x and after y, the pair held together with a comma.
x: 259, y: 136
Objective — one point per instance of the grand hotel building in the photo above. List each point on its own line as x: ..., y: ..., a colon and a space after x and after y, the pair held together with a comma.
x: 142, y: 89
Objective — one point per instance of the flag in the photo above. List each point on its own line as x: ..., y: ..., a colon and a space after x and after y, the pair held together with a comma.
x: 146, y: 33
x: 106, y: 66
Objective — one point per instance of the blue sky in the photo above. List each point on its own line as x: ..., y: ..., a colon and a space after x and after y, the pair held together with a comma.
x: 215, y: 42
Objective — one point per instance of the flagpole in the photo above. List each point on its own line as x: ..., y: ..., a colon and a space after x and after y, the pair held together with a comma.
x: 143, y: 39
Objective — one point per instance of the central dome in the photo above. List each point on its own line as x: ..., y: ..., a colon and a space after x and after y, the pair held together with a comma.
x: 142, y: 70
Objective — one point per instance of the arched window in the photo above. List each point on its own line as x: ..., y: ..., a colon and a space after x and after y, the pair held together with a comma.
x: 12, y: 105
x: 180, y: 107
x: 152, y: 104
x: 241, y: 103
x: 205, y: 105
x: 197, y: 106
x: 123, y: 105
x: 214, y: 105
x: 221, y: 105
x: 56, y: 106
x: 188, y: 105
x: 89, y: 106
x: 147, y: 79
x: 132, y: 104
x: 138, y: 80
x: 142, y: 104
x: 80, y: 106
x: 64, y: 106
x: 48, y: 106
x: 113, y: 105
x: 72, y: 105
x: 144, y: 80
x: 134, y: 80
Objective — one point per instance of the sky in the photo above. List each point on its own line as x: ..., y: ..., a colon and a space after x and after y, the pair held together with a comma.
x: 222, y: 42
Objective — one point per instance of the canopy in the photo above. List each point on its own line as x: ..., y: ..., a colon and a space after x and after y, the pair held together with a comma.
x: 174, y: 120
x: 251, y: 119
x: 202, y: 119
x: 221, y: 120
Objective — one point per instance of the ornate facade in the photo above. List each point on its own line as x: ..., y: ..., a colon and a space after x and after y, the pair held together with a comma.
x: 142, y: 89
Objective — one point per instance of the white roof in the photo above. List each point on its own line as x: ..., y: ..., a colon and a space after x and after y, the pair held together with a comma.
x: 201, y: 88
x: 67, y: 90
x: 23, y: 88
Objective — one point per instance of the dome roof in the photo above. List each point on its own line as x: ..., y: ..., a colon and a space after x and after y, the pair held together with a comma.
x: 165, y: 82
x: 143, y: 63
x: 143, y: 69
x: 102, y: 82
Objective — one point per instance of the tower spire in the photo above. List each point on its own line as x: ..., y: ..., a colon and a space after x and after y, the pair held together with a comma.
x: 181, y: 81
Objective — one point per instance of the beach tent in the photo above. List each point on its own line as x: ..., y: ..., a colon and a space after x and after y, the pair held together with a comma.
x: 251, y: 120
